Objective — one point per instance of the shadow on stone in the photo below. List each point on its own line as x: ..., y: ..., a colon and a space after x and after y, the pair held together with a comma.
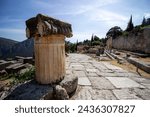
x: 30, y: 90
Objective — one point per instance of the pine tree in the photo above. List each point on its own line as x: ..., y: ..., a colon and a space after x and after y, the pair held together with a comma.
x: 144, y: 21
x: 77, y: 45
x: 130, y: 25
x: 92, y: 39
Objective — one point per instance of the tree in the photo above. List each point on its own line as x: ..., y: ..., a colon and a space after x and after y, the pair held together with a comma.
x: 76, y: 45
x: 114, y: 32
x: 130, y: 25
x: 87, y: 42
x: 144, y: 21
x: 96, y: 38
x: 92, y: 39
x: 70, y: 47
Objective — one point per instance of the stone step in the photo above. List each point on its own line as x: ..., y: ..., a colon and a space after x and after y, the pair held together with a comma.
x: 15, y: 68
x: 4, y: 64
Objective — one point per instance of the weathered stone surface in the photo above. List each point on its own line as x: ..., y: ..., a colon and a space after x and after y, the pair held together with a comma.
x: 30, y: 90
x: 3, y: 72
x: 1, y: 86
x: 99, y: 66
x: 14, y: 68
x: 70, y: 83
x: 91, y: 70
x: 100, y: 83
x: 120, y: 71
x: 110, y: 66
x: 79, y: 73
x: 28, y: 60
x: 44, y: 26
x: 141, y: 80
x: 84, y: 81
x: 83, y: 93
x: 91, y: 74
x: 60, y: 93
x: 134, y: 42
x: 142, y: 93
x: 120, y: 85
x: 105, y: 71
x: 123, y: 82
x: 78, y: 68
x: 126, y: 94
x: 142, y: 65
x: 68, y: 72
x: 103, y: 95
x: 106, y: 74
x: 4, y: 64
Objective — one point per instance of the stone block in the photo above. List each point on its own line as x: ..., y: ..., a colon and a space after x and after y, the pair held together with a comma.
x: 83, y: 93
x: 103, y: 95
x: 84, y: 81
x: 100, y: 83
x: 30, y: 90
x: 60, y: 93
x: 120, y: 82
x: 126, y: 94
x: 4, y: 64
x: 69, y: 83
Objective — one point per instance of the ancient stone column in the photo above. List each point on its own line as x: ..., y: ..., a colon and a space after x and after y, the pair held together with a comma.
x: 49, y: 47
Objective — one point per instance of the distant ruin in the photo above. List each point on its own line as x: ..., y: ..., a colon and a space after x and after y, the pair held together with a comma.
x: 135, y: 39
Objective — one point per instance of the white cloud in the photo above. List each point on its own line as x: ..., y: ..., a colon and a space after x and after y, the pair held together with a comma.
x: 147, y: 15
x: 107, y: 17
x: 71, y: 7
x: 12, y: 30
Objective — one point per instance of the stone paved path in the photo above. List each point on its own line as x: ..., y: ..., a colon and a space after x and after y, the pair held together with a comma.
x: 104, y: 81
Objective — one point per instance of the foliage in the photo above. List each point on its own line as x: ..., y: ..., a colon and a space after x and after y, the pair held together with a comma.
x: 95, y: 43
x: 87, y: 42
x: 125, y: 33
x: 18, y: 78
x: 148, y: 26
x: 114, y: 32
x: 29, y: 74
x: 143, y: 22
x: 70, y: 47
x: 130, y: 25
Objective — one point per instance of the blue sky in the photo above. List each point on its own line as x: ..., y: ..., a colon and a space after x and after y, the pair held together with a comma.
x: 86, y: 16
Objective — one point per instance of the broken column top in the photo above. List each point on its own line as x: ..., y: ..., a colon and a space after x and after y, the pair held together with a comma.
x: 42, y: 25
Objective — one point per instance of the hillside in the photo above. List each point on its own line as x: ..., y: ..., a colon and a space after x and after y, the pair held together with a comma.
x: 5, y: 45
x: 10, y: 48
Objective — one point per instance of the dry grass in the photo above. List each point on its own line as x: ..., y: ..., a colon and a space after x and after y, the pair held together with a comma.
x: 129, y: 67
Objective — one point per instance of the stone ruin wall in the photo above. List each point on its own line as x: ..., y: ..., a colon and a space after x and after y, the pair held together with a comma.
x: 139, y: 42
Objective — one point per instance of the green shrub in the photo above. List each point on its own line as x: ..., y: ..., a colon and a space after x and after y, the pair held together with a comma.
x: 16, y: 78
x: 148, y: 26
x: 29, y: 74
x: 125, y: 33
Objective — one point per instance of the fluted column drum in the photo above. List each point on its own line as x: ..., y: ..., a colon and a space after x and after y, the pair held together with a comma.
x: 49, y: 58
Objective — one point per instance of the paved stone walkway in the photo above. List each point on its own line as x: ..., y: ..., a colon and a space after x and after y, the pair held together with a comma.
x: 104, y: 81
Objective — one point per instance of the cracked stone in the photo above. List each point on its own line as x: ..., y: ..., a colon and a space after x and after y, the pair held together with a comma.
x: 84, y: 93
x: 143, y: 93
x: 100, y: 83
x: 125, y: 94
x: 103, y: 95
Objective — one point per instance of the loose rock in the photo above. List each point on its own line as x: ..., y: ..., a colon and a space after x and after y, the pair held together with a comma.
x: 70, y: 83
x: 60, y: 93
